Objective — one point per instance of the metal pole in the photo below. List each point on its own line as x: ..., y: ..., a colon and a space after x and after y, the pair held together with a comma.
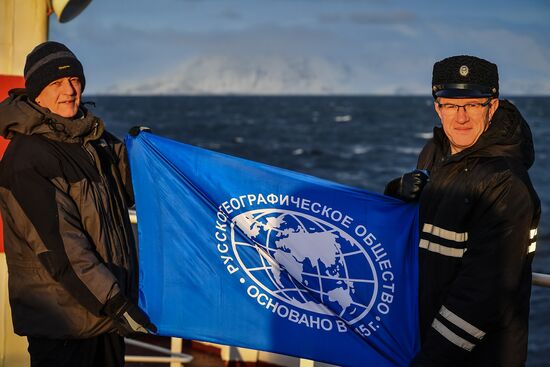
x: 175, y: 344
x: 542, y: 280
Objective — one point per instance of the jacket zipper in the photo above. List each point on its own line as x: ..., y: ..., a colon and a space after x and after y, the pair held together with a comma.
x: 103, y: 209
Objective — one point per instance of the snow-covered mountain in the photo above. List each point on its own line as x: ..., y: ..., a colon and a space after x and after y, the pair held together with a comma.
x: 224, y: 74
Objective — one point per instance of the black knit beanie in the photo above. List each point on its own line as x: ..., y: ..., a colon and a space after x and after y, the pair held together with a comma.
x: 464, y: 76
x: 47, y: 62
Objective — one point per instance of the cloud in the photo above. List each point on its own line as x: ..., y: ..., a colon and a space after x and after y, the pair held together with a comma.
x: 382, y: 18
x: 369, y: 18
x: 231, y: 14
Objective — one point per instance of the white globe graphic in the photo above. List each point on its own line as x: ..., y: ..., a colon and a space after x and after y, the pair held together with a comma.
x: 306, y: 262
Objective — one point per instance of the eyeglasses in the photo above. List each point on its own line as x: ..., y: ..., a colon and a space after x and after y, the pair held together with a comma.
x: 474, y: 107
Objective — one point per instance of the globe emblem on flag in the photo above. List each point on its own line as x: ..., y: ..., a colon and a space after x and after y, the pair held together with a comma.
x: 306, y: 262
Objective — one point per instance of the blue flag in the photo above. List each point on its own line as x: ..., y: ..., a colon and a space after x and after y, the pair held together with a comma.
x: 241, y: 253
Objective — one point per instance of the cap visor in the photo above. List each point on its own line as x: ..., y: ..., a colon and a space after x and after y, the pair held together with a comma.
x: 462, y: 93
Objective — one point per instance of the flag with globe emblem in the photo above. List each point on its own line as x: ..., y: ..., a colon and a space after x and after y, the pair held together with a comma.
x: 245, y: 254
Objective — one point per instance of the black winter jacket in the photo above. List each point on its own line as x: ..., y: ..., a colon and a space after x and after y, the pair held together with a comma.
x: 64, y: 195
x: 479, y: 216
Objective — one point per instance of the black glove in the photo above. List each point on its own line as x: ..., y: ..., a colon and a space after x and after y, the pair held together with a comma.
x: 137, y: 129
x: 128, y: 317
x: 407, y: 187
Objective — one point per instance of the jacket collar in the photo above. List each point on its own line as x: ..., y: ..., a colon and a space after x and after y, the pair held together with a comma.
x: 19, y: 115
x: 508, y: 135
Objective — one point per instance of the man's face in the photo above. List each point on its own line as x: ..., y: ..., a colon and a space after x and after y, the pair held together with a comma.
x: 61, y: 96
x: 464, y: 126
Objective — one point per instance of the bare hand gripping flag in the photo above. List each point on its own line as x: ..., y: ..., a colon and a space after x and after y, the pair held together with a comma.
x: 245, y: 254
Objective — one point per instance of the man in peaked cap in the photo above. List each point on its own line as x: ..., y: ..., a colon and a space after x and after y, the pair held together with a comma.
x: 64, y: 195
x: 478, y: 222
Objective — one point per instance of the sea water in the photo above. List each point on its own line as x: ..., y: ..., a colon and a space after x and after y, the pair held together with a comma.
x: 358, y: 141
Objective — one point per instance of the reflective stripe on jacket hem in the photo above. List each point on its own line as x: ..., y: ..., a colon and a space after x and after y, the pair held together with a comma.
x: 461, y: 323
x: 452, y: 337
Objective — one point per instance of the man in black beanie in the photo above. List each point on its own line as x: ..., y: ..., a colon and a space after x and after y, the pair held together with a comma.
x: 64, y: 195
x: 478, y: 220
x: 49, y: 62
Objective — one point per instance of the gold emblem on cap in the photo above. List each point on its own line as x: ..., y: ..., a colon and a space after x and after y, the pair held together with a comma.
x: 464, y: 71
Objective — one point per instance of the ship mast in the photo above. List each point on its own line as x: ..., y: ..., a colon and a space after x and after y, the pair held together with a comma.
x: 24, y: 25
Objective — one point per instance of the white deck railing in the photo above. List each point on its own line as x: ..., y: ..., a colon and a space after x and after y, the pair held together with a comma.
x: 542, y: 280
x: 174, y: 356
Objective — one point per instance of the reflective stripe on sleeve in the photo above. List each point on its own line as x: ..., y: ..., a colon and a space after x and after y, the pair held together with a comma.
x: 452, y: 337
x: 440, y: 249
x: 461, y: 323
x: 445, y: 233
x: 533, y: 245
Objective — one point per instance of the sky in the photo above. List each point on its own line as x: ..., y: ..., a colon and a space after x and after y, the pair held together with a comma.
x: 281, y: 47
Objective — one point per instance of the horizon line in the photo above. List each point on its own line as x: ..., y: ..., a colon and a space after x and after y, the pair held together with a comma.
x: 295, y: 95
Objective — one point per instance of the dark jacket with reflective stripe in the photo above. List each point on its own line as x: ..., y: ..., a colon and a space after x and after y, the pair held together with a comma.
x: 64, y: 195
x: 479, y: 215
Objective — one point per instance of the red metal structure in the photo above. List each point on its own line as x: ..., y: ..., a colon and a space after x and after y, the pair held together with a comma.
x: 7, y: 82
